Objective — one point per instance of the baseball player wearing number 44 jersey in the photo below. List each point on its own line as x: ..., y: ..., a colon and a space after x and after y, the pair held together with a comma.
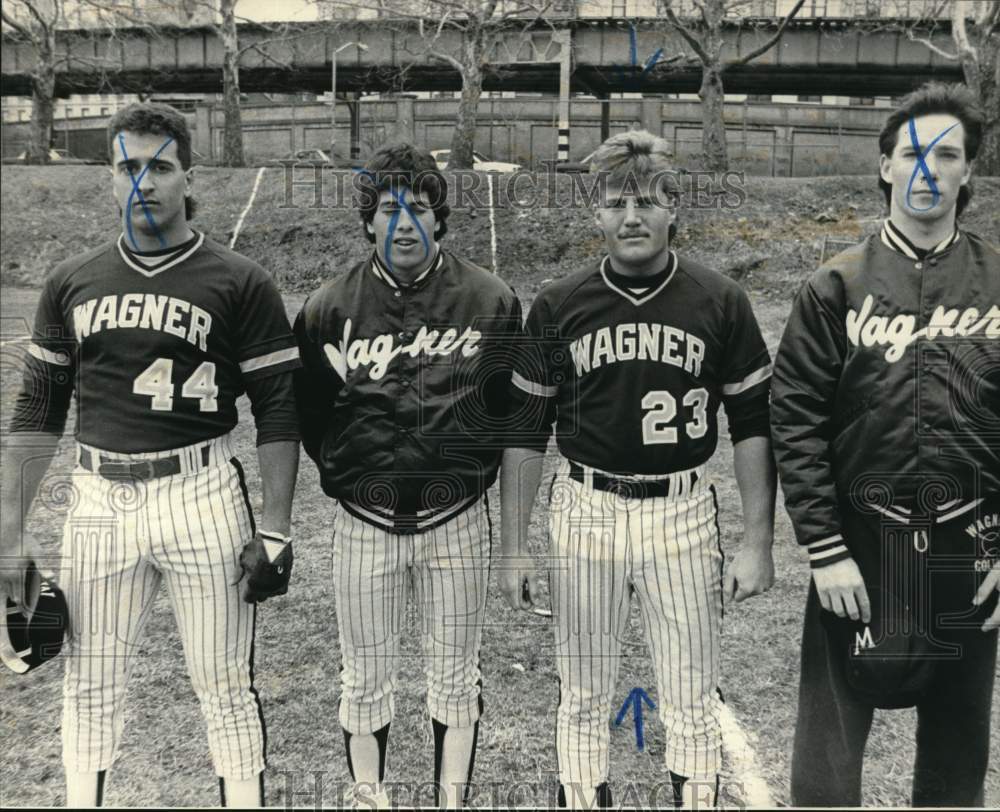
x: 402, y: 396
x: 157, y: 333
x: 634, y: 354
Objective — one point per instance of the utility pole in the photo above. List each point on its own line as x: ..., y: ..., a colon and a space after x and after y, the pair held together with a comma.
x: 333, y: 93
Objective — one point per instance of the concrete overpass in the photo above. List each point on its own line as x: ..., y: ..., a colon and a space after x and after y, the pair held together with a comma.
x: 815, y: 56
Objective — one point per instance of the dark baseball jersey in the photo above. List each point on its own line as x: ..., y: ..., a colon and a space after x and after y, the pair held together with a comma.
x: 887, y: 380
x: 158, y: 355
x: 403, y: 392
x: 635, y: 381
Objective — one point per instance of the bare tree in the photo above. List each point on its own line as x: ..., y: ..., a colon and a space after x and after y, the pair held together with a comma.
x: 36, y: 24
x: 462, y: 34
x: 479, y: 24
x: 975, y: 32
x: 705, y: 37
x: 225, y: 21
x: 232, y: 128
x: 39, y: 23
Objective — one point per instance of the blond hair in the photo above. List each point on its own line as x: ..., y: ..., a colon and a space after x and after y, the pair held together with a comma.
x: 637, y: 152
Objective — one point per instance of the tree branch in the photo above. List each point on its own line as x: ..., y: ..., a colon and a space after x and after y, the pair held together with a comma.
x: 447, y: 58
x: 117, y: 12
x: 430, y: 50
x: 45, y: 24
x: 926, y: 42
x: 24, y: 32
x: 284, y: 36
x: 959, y: 34
x: 267, y: 57
x: 687, y: 34
x: 773, y: 41
x: 989, y: 19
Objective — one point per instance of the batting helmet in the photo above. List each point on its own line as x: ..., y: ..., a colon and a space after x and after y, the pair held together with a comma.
x: 30, y: 638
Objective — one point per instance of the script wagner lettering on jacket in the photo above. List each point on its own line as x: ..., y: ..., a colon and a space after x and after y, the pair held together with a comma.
x: 868, y: 329
x: 380, y: 350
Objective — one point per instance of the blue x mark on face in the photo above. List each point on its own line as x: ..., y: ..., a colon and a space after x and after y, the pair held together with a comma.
x: 136, y: 180
x: 394, y: 221
x: 921, y: 166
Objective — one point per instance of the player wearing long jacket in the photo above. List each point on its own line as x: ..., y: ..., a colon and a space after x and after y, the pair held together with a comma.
x: 886, y: 427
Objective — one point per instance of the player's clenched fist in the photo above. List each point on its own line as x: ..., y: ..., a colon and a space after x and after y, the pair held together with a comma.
x: 751, y: 573
x: 842, y: 590
x: 267, y: 565
x: 518, y: 582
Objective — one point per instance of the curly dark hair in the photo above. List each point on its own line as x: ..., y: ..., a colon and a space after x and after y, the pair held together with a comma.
x: 157, y: 119
x: 936, y: 97
x: 402, y: 165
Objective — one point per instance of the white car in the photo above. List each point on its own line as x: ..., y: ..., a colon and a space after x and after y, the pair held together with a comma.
x: 479, y: 162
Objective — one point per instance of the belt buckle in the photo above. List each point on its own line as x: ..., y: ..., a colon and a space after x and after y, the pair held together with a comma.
x: 621, y: 488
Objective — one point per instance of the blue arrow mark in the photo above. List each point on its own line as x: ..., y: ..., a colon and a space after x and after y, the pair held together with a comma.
x: 635, y: 698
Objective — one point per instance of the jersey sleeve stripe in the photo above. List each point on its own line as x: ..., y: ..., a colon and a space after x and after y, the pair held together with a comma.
x: 835, y: 550
x: 827, y: 551
x: 834, y: 557
x: 823, y: 542
x: 536, y: 389
x: 272, y: 358
x: 749, y: 381
x: 42, y: 354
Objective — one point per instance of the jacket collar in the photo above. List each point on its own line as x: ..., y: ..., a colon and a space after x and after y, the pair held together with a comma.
x: 893, y: 238
x: 385, y: 275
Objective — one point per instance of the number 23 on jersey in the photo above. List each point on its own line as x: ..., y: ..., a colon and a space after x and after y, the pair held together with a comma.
x: 156, y: 381
x: 661, y: 409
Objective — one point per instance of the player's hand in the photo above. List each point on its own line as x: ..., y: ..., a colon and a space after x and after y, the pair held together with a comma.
x: 991, y: 583
x: 15, y: 558
x: 751, y: 573
x: 842, y: 590
x: 266, y: 562
x: 519, y: 582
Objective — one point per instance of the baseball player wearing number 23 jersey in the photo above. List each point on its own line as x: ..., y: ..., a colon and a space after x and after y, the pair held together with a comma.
x: 634, y: 354
x: 158, y: 333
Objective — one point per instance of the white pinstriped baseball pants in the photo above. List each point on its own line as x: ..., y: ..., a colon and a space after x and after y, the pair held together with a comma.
x: 665, y: 550
x: 121, y: 540
x: 447, y: 568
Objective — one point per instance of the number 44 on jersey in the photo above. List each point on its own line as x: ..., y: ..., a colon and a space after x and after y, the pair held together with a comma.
x: 156, y: 381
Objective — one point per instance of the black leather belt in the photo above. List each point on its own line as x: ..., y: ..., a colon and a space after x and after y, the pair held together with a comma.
x: 629, y: 488
x: 135, y: 469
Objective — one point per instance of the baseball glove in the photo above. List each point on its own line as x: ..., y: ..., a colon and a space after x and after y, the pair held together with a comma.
x: 889, y: 664
x: 266, y: 577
